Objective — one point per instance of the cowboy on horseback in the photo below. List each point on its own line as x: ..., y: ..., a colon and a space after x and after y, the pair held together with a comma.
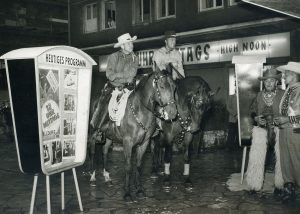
x: 121, y: 71
x: 168, y: 57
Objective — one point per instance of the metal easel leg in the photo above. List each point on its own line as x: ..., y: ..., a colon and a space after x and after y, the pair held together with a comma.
x: 48, y: 194
x: 243, y: 163
x: 33, y: 194
x: 77, y: 189
x: 62, y: 191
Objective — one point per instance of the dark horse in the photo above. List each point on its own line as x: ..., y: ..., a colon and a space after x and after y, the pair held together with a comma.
x: 139, y: 122
x: 193, y: 99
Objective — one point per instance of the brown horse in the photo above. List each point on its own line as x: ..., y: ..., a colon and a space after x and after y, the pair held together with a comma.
x: 193, y: 100
x: 139, y: 122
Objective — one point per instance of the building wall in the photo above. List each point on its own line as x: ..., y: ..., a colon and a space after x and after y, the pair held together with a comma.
x: 187, y: 18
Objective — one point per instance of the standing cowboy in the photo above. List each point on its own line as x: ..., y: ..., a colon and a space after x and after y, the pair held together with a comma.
x: 264, y: 106
x: 121, y: 71
x: 169, y: 55
x: 289, y: 123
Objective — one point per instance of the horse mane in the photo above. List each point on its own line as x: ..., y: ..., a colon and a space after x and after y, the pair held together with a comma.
x: 142, y: 80
x: 188, y: 86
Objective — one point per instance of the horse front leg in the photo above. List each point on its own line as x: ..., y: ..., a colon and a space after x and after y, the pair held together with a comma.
x: 127, y: 155
x: 167, y: 159
x: 92, y: 166
x: 156, y: 157
x: 105, y: 168
x: 139, y: 158
x: 187, y: 159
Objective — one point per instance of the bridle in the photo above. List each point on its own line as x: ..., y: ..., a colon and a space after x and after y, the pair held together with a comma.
x: 156, y: 78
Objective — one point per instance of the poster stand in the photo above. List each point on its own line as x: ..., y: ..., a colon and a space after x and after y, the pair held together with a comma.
x: 247, y: 70
x: 48, y: 192
x: 49, y: 88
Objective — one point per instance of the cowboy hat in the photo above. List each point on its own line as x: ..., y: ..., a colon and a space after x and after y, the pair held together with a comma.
x: 170, y: 34
x: 124, y: 39
x: 270, y: 73
x: 291, y: 66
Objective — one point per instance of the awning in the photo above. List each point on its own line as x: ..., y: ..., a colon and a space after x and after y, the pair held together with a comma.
x: 287, y: 7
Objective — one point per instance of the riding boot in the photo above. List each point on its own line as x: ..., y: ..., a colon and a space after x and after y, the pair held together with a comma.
x: 289, y: 194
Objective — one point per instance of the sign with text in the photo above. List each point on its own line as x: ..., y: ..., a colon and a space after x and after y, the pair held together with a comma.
x: 50, y: 106
x: 273, y: 45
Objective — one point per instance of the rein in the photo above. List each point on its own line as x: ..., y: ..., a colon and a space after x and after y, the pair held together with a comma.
x: 139, y: 122
x: 156, y: 78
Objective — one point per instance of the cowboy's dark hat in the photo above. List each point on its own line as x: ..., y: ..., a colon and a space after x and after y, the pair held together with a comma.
x: 170, y: 34
x: 270, y: 73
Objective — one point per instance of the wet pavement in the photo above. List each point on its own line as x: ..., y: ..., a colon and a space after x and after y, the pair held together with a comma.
x: 210, y: 171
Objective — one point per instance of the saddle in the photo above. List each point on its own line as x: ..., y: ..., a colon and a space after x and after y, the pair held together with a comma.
x: 117, y: 105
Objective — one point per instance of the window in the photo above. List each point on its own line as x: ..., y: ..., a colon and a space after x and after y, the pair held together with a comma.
x: 141, y: 9
x: 233, y: 2
x: 165, y: 8
x: 210, y: 4
x: 90, y: 18
x: 108, y: 14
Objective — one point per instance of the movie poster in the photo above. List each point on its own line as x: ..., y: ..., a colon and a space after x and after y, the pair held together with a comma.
x: 69, y: 148
x: 56, y: 152
x: 49, y: 101
x: 69, y: 126
x: 70, y: 103
x: 46, y: 152
x: 70, y: 79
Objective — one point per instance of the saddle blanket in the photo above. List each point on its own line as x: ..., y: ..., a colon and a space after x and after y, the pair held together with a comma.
x: 116, y: 108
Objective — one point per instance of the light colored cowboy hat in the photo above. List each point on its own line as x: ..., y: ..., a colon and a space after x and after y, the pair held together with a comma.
x: 124, y: 39
x: 291, y: 66
x: 270, y: 73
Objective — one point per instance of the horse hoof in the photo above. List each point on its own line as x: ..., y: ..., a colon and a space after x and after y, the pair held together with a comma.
x: 188, y: 183
x: 140, y: 194
x: 154, y: 175
x: 167, y: 181
x: 93, y: 183
x: 128, y: 198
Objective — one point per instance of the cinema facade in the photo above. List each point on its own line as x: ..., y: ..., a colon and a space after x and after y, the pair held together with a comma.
x: 207, y: 41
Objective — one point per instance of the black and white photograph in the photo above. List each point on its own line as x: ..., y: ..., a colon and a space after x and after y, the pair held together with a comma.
x: 56, y: 152
x: 69, y: 126
x: 46, y: 152
x: 70, y: 102
x: 156, y: 106
x: 70, y: 79
x: 69, y: 148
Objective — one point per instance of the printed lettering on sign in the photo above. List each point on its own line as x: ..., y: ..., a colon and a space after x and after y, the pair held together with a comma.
x: 274, y: 45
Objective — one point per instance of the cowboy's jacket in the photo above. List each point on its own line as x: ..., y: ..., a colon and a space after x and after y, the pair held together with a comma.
x: 121, y: 68
x: 258, y: 105
x: 290, y: 105
x: 162, y: 58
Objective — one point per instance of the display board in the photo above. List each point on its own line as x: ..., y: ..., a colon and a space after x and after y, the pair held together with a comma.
x: 247, y: 71
x: 50, y: 106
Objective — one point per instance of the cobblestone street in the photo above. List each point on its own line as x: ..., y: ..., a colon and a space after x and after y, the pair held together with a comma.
x: 210, y: 172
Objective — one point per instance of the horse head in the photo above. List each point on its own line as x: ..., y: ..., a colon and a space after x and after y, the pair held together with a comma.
x: 164, y: 93
x: 194, y: 93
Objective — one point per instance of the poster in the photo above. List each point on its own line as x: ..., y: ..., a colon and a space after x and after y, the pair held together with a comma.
x: 70, y: 101
x: 56, y: 152
x: 69, y: 148
x: 70, y: 79
x: 69, y: 126
x: 248, y: 87
x: 49, y: 102
x: 58, y: 101
x: 46, y: 152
